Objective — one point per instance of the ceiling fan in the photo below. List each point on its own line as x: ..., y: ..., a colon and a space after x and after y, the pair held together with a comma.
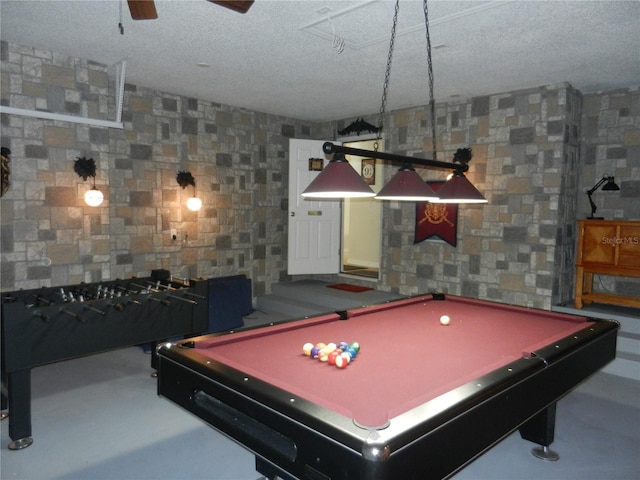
x: 146, y: 9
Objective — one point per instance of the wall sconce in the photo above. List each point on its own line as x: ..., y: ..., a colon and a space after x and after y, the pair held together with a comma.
x: 6, y: 171
x: 85, y: 168
x: 608, y: 185
x: 185, y: 178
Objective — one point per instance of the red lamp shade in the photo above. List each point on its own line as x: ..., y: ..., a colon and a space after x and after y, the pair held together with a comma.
x: 338, y: 180
x: 407, y: 186
x: 459, y: 190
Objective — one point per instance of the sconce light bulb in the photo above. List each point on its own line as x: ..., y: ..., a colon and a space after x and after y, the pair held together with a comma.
x: 194, y: 204
x: 93, y: 197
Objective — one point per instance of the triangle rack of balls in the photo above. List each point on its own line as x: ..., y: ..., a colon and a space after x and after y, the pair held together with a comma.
x: 338, y: 354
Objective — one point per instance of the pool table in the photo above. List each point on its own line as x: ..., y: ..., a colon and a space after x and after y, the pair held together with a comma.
x: 419, y: 401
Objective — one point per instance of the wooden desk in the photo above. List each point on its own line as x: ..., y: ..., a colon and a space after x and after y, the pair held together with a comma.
x: 606, y: 247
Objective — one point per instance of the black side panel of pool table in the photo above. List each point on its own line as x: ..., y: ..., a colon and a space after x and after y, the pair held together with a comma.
x: 182, y: 385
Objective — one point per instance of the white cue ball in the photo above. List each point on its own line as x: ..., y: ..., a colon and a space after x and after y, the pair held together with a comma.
x: 444, y: 319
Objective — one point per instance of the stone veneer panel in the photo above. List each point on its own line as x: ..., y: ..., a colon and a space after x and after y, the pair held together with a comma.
x: 238, y: 158
x: 518, y: 248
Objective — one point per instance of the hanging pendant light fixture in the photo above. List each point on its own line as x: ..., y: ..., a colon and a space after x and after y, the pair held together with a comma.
x: 406, y: 185
x: 338, y: 180
x: 457, y: 188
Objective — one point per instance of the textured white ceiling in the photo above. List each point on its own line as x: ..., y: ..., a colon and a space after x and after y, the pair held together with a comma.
x: 280, y: 57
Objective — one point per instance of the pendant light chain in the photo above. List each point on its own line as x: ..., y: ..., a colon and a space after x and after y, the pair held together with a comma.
x: 432, y: 103
x: 340, y: 180
x: 387, y: 74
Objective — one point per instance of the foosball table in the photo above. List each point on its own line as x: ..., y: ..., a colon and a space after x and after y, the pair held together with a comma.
x: 51, y: 324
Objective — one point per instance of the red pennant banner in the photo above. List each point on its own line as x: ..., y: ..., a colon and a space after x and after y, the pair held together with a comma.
x: 436, y: 219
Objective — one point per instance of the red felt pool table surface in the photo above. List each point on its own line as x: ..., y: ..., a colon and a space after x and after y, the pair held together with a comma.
x: 406, y: 359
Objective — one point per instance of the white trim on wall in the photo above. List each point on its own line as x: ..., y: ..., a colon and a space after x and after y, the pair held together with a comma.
x: 60, y: 117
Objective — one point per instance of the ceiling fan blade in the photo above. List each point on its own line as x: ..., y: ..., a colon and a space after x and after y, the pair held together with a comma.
x: 142, y: 9
x: 240, y: 6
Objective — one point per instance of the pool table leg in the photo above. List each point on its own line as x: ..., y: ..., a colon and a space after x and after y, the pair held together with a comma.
x: 541, y: 430
x: 579, y: 287
x: 154, y: 359
x: 3, y: 398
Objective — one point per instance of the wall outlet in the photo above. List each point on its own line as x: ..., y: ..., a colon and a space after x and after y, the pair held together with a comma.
x: 174, y: 234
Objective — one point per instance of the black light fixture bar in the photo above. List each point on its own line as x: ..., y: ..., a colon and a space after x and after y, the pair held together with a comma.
x: 332, y: 148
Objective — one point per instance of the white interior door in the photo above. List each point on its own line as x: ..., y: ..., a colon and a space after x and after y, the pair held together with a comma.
x: 314, y: 226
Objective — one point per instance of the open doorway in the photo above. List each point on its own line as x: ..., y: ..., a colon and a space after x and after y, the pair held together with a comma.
x: 362, y: 217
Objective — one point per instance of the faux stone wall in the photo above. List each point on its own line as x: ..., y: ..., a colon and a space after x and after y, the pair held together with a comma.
x: 50, y: 237
x: 569, y: 129
x: 535, y: 152
x: 508, y: 249
x: 611, y: 145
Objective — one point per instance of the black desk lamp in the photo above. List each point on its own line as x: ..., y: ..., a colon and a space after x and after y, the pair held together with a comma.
x: 609, y: 186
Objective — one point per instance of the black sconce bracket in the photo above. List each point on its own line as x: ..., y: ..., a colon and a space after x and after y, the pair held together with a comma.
x: 85, y: 167
x: 185, y: 178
